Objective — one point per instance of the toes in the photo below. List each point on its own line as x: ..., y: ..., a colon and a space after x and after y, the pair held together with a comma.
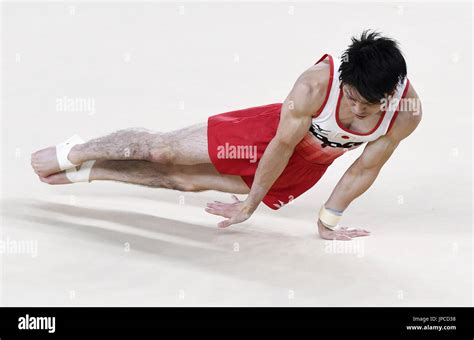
x: 40, y: 172
x: 35, y: 157
x: 43, y: 179
x: 57, y: 178
x: 44, y: 162
x: 48, y: 179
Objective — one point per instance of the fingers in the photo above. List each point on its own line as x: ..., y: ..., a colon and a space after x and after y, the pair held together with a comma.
x: 234, y: 198
x: 340, y: 237
x: 218, y: 205
x: 361, y: 233
x: 216, y: 209
x: 344, y: 234
x: 354, y: 229
x: 219, y: 208
x: 216, y: 212
x: 347, y: 235
x: 357, y: 233
x: 225, y: 223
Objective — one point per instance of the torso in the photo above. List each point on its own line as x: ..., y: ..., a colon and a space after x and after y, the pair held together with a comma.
x: 335, y: 130
x: 362, y: 126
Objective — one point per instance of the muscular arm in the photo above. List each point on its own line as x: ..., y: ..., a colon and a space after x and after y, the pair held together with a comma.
x: 295, y: 121
x: 304, y: 100
x: 363, y: 172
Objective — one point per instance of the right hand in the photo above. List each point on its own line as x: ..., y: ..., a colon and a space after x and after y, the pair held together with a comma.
x: 343, y: 234
x: 236, y: 212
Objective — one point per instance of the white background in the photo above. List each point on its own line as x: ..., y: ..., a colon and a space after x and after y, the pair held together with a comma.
x: 164, y: 66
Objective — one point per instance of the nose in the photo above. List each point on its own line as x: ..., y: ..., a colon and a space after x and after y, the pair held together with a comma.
x: 358, y: 109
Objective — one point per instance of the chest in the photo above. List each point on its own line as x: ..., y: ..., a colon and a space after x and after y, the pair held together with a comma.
x: 347, y: 121
x: 350, y: 122
x: 341, y: 129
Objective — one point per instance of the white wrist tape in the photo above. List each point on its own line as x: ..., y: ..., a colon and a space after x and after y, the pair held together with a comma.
x: 329, y: 218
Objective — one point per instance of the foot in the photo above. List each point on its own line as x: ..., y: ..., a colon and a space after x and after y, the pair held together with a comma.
x: 56, y: 178
x: 45, y: 161
x: 61, y: 177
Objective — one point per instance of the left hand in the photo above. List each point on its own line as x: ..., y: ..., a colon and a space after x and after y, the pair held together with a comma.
x: 342, y: 234
x: 236, y: 212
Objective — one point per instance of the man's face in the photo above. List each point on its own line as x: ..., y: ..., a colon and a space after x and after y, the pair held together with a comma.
x: 360, y: 107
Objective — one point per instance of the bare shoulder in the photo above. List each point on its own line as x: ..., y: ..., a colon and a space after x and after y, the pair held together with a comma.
x: 409, y: 116
x: 316, y: 78
x: 311, y: 88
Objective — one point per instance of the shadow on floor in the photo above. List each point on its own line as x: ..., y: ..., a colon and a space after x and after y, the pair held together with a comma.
x: 270, y: 258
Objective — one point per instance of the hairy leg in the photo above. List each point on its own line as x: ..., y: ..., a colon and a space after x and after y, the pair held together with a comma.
x: 186, y: 146
x: 197, y: 177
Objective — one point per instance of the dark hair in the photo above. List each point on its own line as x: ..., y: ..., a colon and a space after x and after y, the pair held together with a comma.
x: 373, y: 65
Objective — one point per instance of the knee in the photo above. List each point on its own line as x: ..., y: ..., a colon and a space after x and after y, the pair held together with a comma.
x: 142, y: 142
x: 163, y: 155
x: 182, y: 183
x: 187, y: 187
x: 161, y: 151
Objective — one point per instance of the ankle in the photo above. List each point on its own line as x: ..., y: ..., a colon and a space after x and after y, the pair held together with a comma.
x: 74, y: 155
